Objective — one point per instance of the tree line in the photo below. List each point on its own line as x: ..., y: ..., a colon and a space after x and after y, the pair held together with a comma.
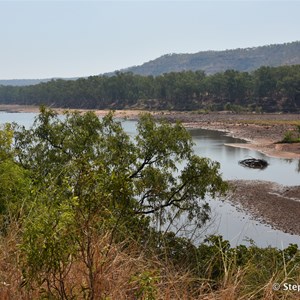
x: 268, y: 89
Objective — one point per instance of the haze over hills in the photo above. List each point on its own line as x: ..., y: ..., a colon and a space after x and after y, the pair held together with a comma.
x: 211, y: 62
x: 22, y: 82
x: 25, y: 82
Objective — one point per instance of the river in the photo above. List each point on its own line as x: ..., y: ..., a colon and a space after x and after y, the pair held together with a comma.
x: 231, y: 222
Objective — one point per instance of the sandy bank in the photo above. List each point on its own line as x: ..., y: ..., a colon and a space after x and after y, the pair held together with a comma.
x: 262, y: 131
x: 260, y: 137
x: 100, y: 112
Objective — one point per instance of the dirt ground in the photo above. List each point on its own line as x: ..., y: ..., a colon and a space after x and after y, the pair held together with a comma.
x: 271, y: 203
x: 127, y: 113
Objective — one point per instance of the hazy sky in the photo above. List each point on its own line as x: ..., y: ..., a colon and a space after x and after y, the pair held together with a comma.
x: 43, y: 39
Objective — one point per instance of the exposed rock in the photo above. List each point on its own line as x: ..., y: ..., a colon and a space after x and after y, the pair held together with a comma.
x: 254, y: 163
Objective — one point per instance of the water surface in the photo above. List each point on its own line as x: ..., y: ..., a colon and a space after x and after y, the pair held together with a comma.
x: 211, y: 144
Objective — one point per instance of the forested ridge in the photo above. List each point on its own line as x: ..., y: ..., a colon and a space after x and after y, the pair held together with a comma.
x: 268, y: 89
x: 241, y: 59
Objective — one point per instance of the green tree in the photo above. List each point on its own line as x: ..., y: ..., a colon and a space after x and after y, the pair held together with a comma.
x: 14, y: 182
x: 90, y: 177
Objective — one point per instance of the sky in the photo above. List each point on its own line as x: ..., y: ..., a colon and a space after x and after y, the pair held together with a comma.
x: 47, y: 39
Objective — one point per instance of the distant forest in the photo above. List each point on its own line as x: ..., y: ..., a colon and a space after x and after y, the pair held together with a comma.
x: 268, y: 89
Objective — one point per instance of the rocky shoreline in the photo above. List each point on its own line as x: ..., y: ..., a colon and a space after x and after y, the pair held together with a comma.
x: 271, y: 203
x: 262, y: 132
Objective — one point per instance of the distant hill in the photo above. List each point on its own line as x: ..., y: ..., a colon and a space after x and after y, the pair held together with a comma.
x: 22, y: 82
x: 212, y: 62
x: 25, y: 82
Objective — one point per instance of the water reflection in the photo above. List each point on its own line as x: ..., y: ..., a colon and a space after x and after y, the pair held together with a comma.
x: 24, y: 119
x: 239, y: 227
x: 212, y: 144
x: 291, y: 161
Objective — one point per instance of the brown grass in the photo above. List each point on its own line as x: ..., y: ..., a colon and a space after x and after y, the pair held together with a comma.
x: 120, y: 273
x: 123, y: 271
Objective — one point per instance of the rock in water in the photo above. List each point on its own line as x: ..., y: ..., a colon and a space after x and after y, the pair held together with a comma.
x: 254, y: 163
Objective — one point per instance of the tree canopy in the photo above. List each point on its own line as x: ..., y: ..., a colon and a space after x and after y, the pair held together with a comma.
x: 267, y: 89
x: 85, y: 176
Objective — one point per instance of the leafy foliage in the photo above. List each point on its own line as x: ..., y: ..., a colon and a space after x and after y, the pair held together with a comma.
x: 14, y: 181
x: 88, y: 177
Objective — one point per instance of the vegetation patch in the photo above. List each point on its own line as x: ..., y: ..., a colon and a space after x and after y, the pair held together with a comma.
x: 87, y: 212
x: 292, y: 136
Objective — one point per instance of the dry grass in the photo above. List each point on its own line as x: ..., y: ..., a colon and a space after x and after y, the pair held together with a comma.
x: 10, y: 273
x: 122, y: 271
x: 271, y: 122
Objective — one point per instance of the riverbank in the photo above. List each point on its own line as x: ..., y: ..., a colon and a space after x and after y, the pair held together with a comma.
x: 268, y: 202
x: 126, y: 113
x: 262, y: 131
